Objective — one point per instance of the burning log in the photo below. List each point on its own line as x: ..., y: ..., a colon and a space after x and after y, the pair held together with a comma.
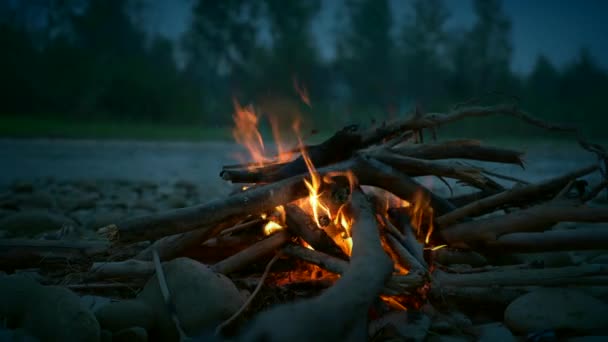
x: 210, y: 218
x: 408, y: 260
x: 301, y: 224
x: 253, y: 253
x: 346, y: 303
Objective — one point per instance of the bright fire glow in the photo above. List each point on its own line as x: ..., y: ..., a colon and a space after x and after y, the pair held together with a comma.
x: 247, y: 134
x: 272, y: 227
x: 276, y: 221
x: 314, y: 185
x: 345, y: 223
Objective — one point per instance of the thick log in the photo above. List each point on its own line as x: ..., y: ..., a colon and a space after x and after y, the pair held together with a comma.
x: 299, y: 223
x: 253, y: 253
x: 397, y: 284
x: 533, y: 219
x: 345, y: 304
x: 210, y: 218
x: 561, y: 276
x: 327, y: 262
x: 515, y: 195
x: 553, y: 240
x: 338, y: 147
x: 461, y: 149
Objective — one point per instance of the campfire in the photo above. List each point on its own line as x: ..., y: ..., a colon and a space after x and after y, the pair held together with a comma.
x: 349, y: 225
x: 349, y: 214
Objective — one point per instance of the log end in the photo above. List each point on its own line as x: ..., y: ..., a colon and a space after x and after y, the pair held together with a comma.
x: 109, y: 232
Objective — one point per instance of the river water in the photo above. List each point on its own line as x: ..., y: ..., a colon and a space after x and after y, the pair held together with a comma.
x: 199, y: 162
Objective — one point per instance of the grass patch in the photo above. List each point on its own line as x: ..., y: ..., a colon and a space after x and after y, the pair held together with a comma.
x: 24, y: 127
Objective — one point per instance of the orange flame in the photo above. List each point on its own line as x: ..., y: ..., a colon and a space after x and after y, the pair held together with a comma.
x: 315, y: 183
x: 345, y: 223
x: 246, y: 132
x: 302, y: 92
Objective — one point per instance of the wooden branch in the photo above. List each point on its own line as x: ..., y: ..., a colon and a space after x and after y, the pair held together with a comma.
x: 535, y: 218
x: 571, y: 275
x: 327, y: 262
x: 121, y: 269
x: 253, y: 253
x: 553, y: 240
x: 464, y: 199
x: 372, y: 172
x: 209, y: 218
x: 25, y: 253
x: 462, y: 149
x: 411, y: 243
x: 335, y: 149
x: 397, y: 284
x: 432, y: 120
x: 496, y: 296
x: 299, y: 223
x: 345, y: 304
x: 406, y: 258
x: 419, y: 167
x: 350, y: 139
x: 515, y: 195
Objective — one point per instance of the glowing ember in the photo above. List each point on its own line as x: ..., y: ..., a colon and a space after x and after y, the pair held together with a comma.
x: 272, y: 227
x: 276, y: 220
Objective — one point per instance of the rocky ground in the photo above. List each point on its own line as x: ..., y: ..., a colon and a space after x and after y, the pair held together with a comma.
x: 85, y: 187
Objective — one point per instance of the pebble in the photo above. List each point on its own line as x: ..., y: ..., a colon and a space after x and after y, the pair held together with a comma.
x: 557, y: 309
x: 496, y: 331
x: 32, y: 223
x: 49, y: 313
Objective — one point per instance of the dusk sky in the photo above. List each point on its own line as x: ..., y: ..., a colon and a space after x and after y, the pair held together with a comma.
x: 556, y: 28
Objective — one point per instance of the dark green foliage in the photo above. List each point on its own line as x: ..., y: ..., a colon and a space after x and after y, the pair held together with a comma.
x: 91, y: 61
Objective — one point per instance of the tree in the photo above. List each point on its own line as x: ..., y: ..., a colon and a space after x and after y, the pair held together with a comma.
x: 424, y: 42
x: 481, y: 57
x: 366, y: 51
x: 292, y: 53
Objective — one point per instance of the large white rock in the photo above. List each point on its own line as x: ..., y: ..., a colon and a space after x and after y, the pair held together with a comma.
x: 557, y: 309
x: 202, y: 299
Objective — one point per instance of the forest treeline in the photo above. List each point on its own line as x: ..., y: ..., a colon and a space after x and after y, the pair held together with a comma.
x: 87, y: 60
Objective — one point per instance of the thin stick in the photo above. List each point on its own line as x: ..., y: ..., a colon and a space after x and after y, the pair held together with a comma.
x: 164, y: 289
x: 232, y: 318
x: 513, y: 195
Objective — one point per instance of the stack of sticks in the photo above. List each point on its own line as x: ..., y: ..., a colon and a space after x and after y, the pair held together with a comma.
x: 493, y: 219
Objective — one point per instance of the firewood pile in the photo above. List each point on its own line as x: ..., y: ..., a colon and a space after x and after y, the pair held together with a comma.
x: 348, y: 225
